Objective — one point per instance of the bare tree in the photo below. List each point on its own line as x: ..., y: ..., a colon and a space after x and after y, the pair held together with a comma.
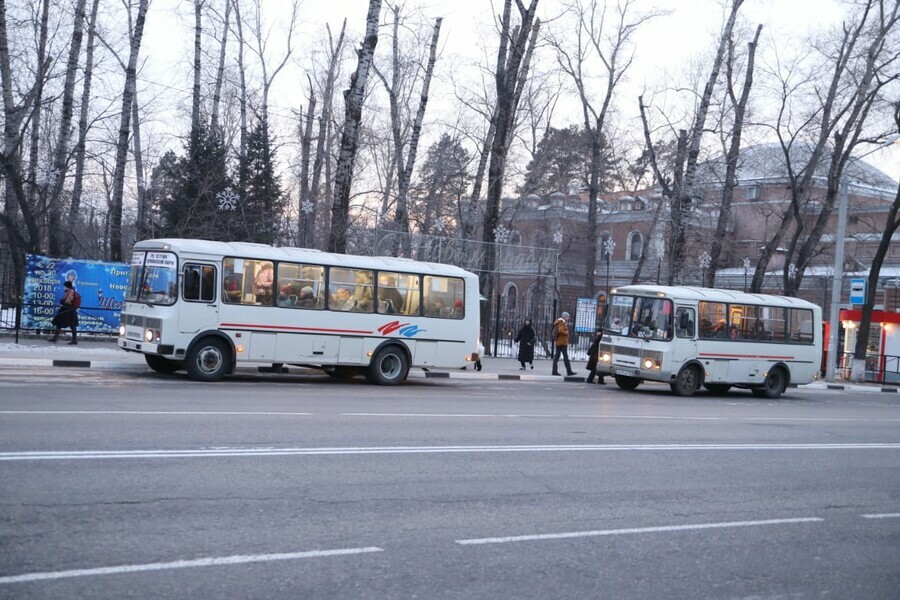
x: 609, y: 43
x: 403, y: 165
x: 513, y: 59
x: 81, y: 144
x: 353, y: 104
x: 739, y: 108
x: 115, y: 229
x: 220, y: 69
x: 261, y: 50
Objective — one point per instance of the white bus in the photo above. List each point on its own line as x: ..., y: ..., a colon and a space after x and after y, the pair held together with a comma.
x: 205, y: 306
x: 692, y: 337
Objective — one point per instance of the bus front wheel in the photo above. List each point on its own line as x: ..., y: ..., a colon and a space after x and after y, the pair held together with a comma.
x: 773, y: 386
x: 627, y: 383
x: 389, y: 366
x: 208, y: 360
x: 687, y: 382
x: 161, y: 364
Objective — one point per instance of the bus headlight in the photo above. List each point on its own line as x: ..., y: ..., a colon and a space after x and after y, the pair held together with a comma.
x: 648, y: 364
x: 121, y: 331
x: 605, y: 357
x: 148, y: 335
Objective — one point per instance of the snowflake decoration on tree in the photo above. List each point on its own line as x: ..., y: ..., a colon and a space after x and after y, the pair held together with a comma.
x: 746, y: 264
x: 438, y: 227
x: 228, y: 199
x: 46, y: 174
x: 501, y: 234
x: 558, y: 238
x: 307, y: 207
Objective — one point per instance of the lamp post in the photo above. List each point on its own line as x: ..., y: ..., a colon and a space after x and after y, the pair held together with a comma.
x: 609, y: 246
x: 746, y: 270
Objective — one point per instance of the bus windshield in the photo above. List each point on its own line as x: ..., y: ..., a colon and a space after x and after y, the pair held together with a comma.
x: 641, y: 317
x: 153, y: 278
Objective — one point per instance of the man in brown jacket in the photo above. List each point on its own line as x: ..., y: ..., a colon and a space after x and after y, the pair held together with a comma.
x: 561, y: 339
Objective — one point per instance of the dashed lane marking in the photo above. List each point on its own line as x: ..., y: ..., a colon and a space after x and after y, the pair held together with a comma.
x: 608, y: 532
x: 185, y: 564
x: 883, y: 516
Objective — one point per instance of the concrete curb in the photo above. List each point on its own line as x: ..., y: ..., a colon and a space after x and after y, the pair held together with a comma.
x: 475, y: 376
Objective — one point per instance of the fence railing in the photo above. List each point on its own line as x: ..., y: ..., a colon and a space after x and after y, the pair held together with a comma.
x: 880, y: 368
x: 11, y: 322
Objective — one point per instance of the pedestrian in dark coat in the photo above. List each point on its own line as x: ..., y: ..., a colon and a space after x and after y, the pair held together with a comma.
x: 66, y: 316
x: 593, y: 357
x: 526, y: 338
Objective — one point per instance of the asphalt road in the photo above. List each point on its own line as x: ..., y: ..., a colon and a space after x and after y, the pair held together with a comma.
x: 127, y: 484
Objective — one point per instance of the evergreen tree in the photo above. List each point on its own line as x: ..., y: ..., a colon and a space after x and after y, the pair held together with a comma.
x: 194, y: 192
x: 562, y: 163
x: 443, y: 181
x: 263, y: 200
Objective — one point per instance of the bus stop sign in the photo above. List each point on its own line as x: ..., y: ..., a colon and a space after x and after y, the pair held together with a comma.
x: 857, y: 291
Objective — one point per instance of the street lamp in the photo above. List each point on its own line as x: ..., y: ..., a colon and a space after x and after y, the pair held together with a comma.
x: 609, y: 246
x: 838, y: 282
x: 705, y: 262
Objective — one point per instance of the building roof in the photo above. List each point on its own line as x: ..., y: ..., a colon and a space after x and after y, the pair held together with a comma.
x: 766, y: 163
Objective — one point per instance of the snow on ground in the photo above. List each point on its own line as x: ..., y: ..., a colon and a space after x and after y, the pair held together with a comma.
x: 39, y: 347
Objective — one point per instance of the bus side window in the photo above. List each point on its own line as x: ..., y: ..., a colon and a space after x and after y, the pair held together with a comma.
x: 191, y: 290
x: 684, y: 323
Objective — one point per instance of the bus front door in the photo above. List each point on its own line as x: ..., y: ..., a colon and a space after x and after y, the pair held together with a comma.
x: 199, y: 308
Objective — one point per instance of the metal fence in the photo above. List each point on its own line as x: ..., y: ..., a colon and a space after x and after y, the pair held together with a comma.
x: 880, y: 368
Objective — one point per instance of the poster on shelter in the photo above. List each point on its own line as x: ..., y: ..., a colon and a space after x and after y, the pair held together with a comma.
x: 586, y: 315
x: 102, y: 286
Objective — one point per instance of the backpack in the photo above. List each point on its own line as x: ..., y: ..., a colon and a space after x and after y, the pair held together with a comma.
x: 76, y: 300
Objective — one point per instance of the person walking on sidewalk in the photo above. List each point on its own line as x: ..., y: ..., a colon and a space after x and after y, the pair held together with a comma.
x: 526, y: 337
x: 67, y: 315
x: 561, y: 339
x: 593, y: 356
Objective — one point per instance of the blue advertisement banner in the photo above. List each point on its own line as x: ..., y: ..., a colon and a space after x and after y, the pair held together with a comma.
x: 102, y: 286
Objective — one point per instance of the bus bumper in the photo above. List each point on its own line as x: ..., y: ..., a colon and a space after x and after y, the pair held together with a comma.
x: 146, y: 347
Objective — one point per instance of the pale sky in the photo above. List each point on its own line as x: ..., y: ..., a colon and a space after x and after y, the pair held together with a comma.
x: 662, y: 46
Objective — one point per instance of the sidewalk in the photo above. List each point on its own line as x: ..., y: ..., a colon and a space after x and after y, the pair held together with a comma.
x: 37, y: 352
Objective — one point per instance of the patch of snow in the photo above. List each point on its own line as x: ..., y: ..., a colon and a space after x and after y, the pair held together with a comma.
x: 43, y: 347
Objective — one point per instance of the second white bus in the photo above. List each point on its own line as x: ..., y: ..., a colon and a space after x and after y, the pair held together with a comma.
x: 206, y: 306
x: 718, y: 339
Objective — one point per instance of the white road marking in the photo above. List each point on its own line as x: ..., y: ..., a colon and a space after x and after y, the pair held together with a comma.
x: 883, y: 516
x: 184, y: 564
x: 605, y: 532
x: 269, y: 451
x: 155, y: 412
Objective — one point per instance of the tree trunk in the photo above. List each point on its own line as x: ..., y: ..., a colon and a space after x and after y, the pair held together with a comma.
x: 220, y: 71
x: 322, y: 145
x: 243, y: 85
x: 353, y: 99
x: 34, y: 147
x: 734, y: 150
x: 61, y: 162
x: 115, y: 226
x: 304, y: 217
x: 682, y: 203
x: 141, y: 227
x: 81, y: 145
x: 195, y: 93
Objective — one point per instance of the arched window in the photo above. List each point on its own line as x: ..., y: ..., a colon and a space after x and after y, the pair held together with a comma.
x: 530, y: 297
x: 510, y: 298
x: 634, y: 246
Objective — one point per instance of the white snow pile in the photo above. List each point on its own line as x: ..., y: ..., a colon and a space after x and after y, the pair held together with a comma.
x: 43, y: 347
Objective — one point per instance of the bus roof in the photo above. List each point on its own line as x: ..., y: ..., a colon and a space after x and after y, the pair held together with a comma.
x: 308, y: 255
x: 712, y: 295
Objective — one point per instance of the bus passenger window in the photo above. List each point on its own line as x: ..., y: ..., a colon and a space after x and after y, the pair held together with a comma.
x: 350, y: 289
x: 444, y: 297
x: 684, y: 323
x: 398, y: 294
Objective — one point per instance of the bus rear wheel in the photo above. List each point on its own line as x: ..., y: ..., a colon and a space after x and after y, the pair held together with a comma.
x: 687, y: 382
x: 161, y: 364
x: 627, y: 383
x: 773, y: 386
x: 208, y: 360
x: 389, y: 366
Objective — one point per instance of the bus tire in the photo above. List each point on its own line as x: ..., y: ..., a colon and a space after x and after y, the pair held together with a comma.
x: 687, y: 382
x: 627, y: 383
x: 773, y: 386
x: 161, y: 364
x: 717, y: 388
x: 209, y: 359
x: 389, y: 366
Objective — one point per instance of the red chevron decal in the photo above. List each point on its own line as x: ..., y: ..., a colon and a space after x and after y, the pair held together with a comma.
x: 391, y: 327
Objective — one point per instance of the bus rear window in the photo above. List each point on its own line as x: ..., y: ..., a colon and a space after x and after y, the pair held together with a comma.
x: 444, y: 297
x: 801, y: 331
